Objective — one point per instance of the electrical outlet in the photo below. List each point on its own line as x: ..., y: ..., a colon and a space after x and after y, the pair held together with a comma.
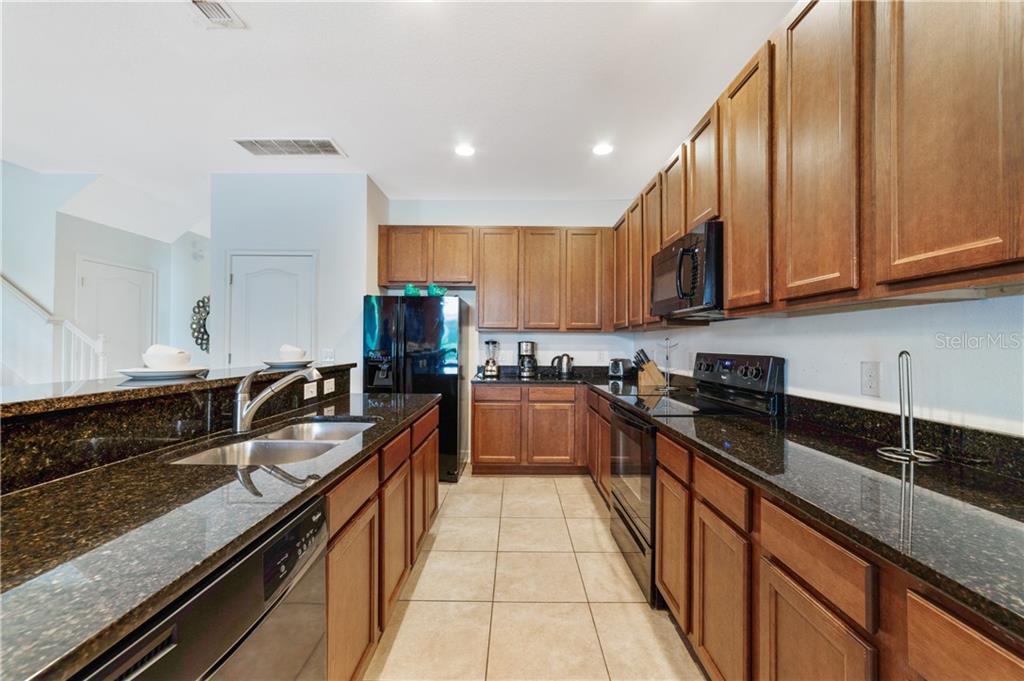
x: 870, y: 379
x: 309, y: 391
x: 328, y: 411
x: 328, y: 386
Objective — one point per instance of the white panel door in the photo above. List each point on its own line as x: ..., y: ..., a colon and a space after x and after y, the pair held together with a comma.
x: 118, y: 302
x: 272, y: 303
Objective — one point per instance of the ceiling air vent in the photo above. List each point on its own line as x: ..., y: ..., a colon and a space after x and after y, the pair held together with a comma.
x: 292, y: 147
x: 218, y: 14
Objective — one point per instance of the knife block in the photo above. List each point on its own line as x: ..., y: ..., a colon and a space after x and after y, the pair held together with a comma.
x: 649, y: 378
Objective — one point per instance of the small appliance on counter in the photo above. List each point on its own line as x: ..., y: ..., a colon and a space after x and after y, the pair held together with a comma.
x: 491, y: 363
x: 618, y: 367
x: 563, y: 365
x: 527, y: 359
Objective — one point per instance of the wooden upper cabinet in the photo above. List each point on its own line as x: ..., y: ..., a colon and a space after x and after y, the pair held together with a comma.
x: 673, y: 197
x: 454, y: 255
x: 498, y: 283
x: 635, y: 262
x: 949, y: 106
x: 584, y: 277
x: 652, y: 219
x: 817, y: 235
x: 543, y: 252
x: 703, y: 172
x: 620, y: 314
x: 404, y: 255
x: 745, y: 117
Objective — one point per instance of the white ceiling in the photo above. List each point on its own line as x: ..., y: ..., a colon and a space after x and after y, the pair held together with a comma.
x: 141, y: 92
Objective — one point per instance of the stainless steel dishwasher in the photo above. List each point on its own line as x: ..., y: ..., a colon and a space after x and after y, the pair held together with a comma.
x: 262, y: 616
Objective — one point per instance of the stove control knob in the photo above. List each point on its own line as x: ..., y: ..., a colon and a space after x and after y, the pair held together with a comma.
x: 744, y: 371
x: 756, y: 373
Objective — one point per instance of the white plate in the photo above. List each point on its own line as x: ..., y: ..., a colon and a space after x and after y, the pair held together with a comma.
x: 145, y: 373
x: 288, y: 363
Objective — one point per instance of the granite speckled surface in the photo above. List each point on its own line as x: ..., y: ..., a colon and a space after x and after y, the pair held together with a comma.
x: 88, y: 558
x: 510, y: 375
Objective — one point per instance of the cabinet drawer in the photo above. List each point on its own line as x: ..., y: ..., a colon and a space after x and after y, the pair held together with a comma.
x: 350, y: 494
x: 559, y: 394
x: 496, y: 393
x: 838, y: 575
x: 674, y: 458
x: 730, y: 498
x: 394, y: 453
x: 942, y: 648
x: 424, y: 426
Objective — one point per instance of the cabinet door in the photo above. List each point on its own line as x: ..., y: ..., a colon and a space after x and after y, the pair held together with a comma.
x: 498, y: 284
x: 550, y: 432
x: 604, y: 474
x: 408, y: 255
x: 703, y: 171
x: 673, y: 198
x: 418, y: 502
x: 352, y: 596
x: 635, y: 263
x: 672, y: 546
x: 593, y: 443
x: 652, y: 219
x: 543, y: 252
x: 433, y: 476
x: 745, y: 110
x: 721, y: 596
x: 799, y: 638
x: 949, y: 104
x: 818, y: 149
x: 620, y: 319
x: 454, y: 254
x: 497, y: 432
x: 395, y: 538
x: 584, y: 275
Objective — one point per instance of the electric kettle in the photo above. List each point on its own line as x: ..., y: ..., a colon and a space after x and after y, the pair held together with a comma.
x: 563, y: 364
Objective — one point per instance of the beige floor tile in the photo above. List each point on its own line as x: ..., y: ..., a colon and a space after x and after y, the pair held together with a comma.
x: 575, y: 484
x: 442, y: 494
x: 433, y: 640
x: 480, y: 485
x: 524, y: 483
x: 451, y: 576
x: 591, y: 534
x: 584, y: 505
x: 533, y: 534
x: 532, y: 641
x: 472, y: 505
x: 641, y: 644
x: 543, y: 504
x: 608, y: 579
x: 538, y: 577
x: 463, y: 534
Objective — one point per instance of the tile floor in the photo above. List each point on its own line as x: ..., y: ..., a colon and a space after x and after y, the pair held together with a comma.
x: 520, y: 579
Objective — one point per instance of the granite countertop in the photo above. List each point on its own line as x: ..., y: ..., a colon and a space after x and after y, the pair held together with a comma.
x: 967, y: 534
x: 88, y: 558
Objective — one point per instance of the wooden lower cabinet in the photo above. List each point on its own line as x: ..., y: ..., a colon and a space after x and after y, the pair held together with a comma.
x: 604, y: 463
x: 352, y: 595
x: 497, y: 428
x: 433, y: 477
x: 800, y: 638
x: 550, y: 433
x: 395, y: 544
x: 672, y: 545
x: 593, y: 443
x: 721, y: 596
x: 418, y: 500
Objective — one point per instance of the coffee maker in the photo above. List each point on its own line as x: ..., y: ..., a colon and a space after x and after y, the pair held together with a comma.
x: 527, y: 359
x: 491, y: 363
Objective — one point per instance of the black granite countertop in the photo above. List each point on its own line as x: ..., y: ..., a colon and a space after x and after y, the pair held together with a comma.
x: 966, y: 537
x: 546, y: 375
x: 90, y: 557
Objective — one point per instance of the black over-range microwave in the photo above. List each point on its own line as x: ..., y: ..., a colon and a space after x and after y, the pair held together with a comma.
x: 686, y: 275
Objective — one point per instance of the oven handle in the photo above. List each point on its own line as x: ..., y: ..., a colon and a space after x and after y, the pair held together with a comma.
x: 631, y: 420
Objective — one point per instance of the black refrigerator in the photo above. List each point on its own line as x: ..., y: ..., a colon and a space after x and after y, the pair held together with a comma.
x: 417, y: 344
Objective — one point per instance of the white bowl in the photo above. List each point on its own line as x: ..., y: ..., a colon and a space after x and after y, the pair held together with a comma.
x: 292, y: 355
x: 162, y: 360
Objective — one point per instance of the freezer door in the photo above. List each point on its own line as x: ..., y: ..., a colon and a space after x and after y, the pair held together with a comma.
x: 382, y: 348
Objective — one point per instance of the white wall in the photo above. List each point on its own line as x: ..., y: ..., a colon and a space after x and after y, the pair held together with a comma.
x: 514, y: 213
x: 190, y: 281
x: 978, y: 387
x: 378, y: 209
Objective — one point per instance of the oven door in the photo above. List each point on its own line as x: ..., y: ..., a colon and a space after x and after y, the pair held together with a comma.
x: 633, y: 470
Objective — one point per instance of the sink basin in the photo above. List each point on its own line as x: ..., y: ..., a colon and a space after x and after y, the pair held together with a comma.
x: 259, y: 453
x: 327, y: 431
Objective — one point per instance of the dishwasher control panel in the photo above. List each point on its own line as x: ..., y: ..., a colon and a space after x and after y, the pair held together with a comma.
x: 294, y: 548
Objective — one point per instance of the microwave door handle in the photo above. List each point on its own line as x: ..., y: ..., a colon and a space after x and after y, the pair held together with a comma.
x: 692, y: 252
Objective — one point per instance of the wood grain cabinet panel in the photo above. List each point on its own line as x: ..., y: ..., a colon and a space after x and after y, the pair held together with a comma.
x: 418, y: 501
x: 728, y: 496
x: 673, y: 198
x: 593, y: 443
x: 551, y: 394
x: 799, y: 638
x: 817, y: 235
x: 721, y: 596
x: 703, y: 171
x: 620, y: 314
x: 675, y: 458
x: 498, y: 284
x: 672, y: 545
x: 497, y: 434
x: 949, y: 137
x: 395, y: 539
x: 652, y: 219
x: 349, y: 495
x: 550, y: 433
x: 604, y: 473
x: 433, y: 479
x: 543, y: 252
x: 454, y: 255
x: 352, y: 596
x: 406, y: 255
x: 745, y: 116
x: 635, y: 263
x: 584, y: 277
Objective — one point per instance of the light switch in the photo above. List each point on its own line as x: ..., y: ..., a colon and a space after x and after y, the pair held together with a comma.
x: 328, y: 386
x: 328, y: 411
x: 309, y: 391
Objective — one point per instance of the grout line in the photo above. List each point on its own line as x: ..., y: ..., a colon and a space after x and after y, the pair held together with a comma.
x: 494, y: 586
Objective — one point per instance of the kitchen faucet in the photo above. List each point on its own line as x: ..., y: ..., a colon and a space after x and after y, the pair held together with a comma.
x: 245, y: 409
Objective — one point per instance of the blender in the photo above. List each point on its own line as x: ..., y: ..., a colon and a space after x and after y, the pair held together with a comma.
x: 491, y: 363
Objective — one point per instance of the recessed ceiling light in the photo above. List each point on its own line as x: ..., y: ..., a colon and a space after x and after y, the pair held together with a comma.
x: 465, y: 149
x: 602, y: 149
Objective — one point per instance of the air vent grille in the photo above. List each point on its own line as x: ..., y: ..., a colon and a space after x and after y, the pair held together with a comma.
x: 218, y: 14
x: 291, y: 147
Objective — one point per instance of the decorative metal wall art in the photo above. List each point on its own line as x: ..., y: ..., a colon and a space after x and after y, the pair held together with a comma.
x: 200, y: 311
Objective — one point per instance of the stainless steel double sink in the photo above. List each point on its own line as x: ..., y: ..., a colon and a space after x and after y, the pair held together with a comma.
x: 288, y: 444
